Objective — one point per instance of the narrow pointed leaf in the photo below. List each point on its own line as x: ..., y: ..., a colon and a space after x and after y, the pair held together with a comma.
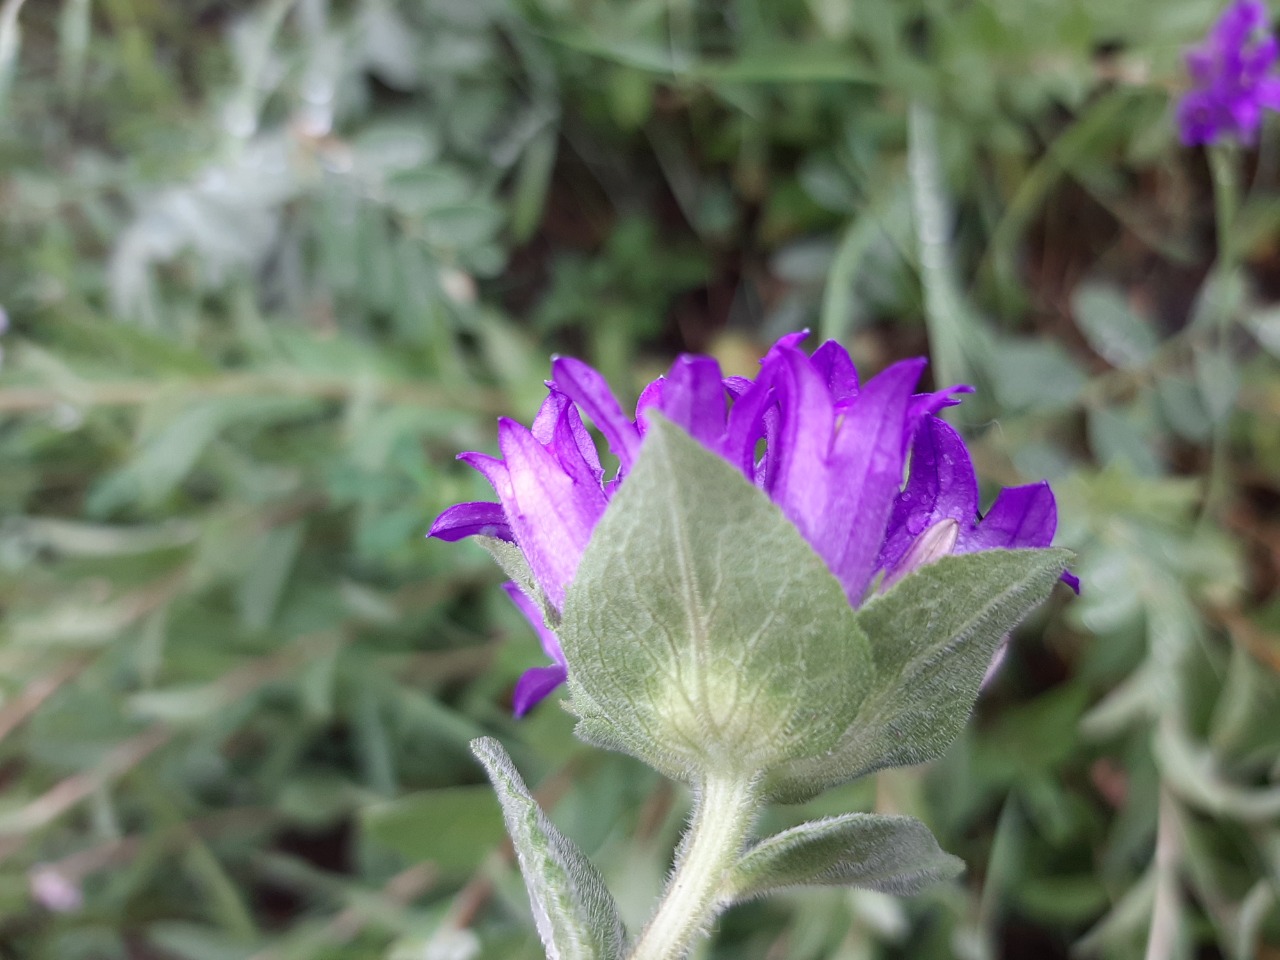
x: 932, y: 638
x: 702, y: 632
x: 576, y: 916
x: 896, y: 855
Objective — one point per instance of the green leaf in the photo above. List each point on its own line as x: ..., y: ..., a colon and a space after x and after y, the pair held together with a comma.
x: 787, y: 63
x: 1218, y: 380
x: 1064, y: 900
x: 1182, y: 406
x: 1113, y: 329
x: 932, y: 637
x: 1035, y: 374
x: 268, y: 566
x: 452, y: 828
x: 1194, y: 773
x: 1265, y: 325
x: 1124, y: 436
x: 576, y: 916
x: 704, y: 632
x: 890, y: 854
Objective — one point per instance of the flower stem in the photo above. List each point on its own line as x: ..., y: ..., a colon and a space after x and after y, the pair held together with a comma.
x: 723, y: 813
x: 1224, y: 166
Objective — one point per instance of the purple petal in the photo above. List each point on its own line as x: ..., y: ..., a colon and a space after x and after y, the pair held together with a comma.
x: 1020, y: 517
x: 835, y: 367
x: 650, y: 396
x: 495, y: 471
x: 787, y: 341
x: 800, y: 475
x: 590, y: 391
x: 470, y: 520
x: 1198, y: 122
x: 866, y: 466
x: 534, y: 685
x: 1238, y: 21
x: 693, y: 398
x: 746, y: 425
x: 551, y: 516
x: 1246, y: 115
x: 767, y: 465
x: 573, y: 449
x: 585, y: 443
x: 1268, y: 93
x: 544, y: 424
x: 942, y: 485
x: 1258, y: 60
x: 753, y: 417
x: 524, y: 603
x: 925, y: 404
x: 559, y: 428
x: 1201, y: 65
x: 1230, y: 74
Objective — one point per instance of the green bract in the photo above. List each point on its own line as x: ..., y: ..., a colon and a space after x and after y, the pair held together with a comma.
x: 932, y: 639
x: 704, y: 635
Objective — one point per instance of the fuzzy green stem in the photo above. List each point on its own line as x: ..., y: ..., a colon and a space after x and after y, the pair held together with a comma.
x: 1224, y: 164
x: 723, y: 813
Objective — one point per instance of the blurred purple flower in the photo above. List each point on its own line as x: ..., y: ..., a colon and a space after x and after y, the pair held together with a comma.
x: 1232, y: 79
x: 835, y: 452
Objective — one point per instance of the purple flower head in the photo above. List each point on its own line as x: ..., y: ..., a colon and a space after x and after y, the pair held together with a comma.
x: 1232, y: 79
x: 829, y: 450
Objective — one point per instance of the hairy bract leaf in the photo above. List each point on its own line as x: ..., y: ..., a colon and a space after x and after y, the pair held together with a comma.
x: 891, y: 854
x: 932, y: 638
x: 576, y: 915
x: 702, y: 631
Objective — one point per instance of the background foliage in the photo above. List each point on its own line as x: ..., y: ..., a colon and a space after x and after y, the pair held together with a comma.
x: 267, y: 264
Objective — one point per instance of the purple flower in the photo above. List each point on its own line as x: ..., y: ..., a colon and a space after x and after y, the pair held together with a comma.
x: 1232, y: 80
x: 834, y: 455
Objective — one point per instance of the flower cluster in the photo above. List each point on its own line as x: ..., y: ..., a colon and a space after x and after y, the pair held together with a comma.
x: 1232, y: 77
x: 829, y: 451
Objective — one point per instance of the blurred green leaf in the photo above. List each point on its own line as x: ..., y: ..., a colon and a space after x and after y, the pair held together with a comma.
x: 1119, y: 335
x: 1035, y: 375
x: 453, y: 828
x: 1218, y: 380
